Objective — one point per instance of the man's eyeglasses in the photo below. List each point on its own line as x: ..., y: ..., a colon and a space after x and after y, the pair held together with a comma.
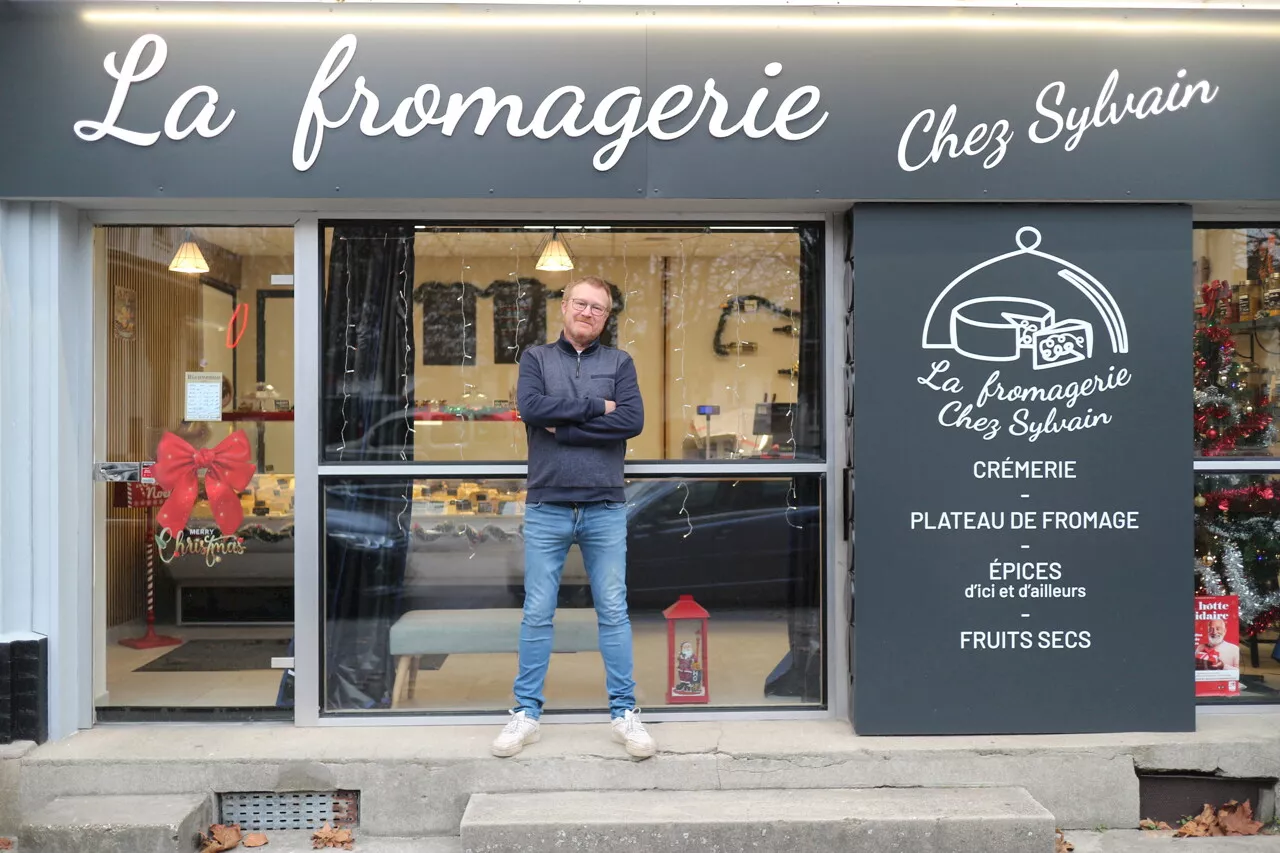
x: 582, y: 305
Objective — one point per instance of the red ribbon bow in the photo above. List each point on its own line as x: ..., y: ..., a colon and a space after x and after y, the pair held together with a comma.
x: 228, y: 472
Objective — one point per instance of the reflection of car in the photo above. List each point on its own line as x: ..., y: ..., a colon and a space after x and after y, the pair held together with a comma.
x: 729, y: 543
x: 751, y: 543
x: 432, y: 437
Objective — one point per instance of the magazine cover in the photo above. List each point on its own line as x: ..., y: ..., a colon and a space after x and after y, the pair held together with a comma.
x: 1217, y: 645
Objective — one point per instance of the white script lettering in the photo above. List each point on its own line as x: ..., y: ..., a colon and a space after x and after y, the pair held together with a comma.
x: 130, y: 72
x: 619, y: 116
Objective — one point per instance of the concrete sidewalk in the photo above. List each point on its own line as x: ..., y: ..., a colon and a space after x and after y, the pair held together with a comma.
x: 416, y: 781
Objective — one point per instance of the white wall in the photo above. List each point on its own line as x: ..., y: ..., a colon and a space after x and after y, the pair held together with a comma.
x: 46, y: 451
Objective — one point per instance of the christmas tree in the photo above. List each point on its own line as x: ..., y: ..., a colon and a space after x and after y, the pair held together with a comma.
x: 1237, y: 515
x: 1231, y: 414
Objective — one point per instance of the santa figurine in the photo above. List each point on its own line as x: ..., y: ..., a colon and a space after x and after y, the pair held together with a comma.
x: 684, y: 668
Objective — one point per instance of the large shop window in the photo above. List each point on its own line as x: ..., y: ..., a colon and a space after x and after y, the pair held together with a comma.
x: 424, y: 570
x: 723, y: 324
x: 424, y: 582
x: 1236, y: 275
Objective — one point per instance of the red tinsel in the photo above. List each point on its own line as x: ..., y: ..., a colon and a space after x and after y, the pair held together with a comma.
x: 1226, y: 439
x: 1261, y: 623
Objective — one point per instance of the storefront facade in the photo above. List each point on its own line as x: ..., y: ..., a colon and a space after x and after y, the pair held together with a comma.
x: 307, y: 246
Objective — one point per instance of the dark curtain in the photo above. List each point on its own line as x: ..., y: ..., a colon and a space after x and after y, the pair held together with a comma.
x: 368, y: 403
x: 800, y: 672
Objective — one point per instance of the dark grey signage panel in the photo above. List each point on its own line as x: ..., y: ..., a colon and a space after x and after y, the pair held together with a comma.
x: 843, y: 113
x: 1023, y: 521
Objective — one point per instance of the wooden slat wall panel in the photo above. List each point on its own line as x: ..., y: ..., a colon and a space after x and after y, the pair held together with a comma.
x: 145, y: 380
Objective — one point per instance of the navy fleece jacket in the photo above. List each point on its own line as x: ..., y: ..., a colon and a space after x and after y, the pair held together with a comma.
x: 566, y: 389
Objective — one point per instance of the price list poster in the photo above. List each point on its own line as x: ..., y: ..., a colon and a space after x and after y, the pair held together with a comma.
x: 1022, y: 459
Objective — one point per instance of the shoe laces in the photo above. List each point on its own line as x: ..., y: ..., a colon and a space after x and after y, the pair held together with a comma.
x: 631, y: 723
x: 517, y: 722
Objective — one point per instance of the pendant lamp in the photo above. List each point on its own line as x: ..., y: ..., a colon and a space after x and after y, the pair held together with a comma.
x: 188, y: 258
x: 554, y: 254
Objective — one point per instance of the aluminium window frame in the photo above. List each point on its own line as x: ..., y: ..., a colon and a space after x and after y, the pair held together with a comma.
x: 1234, y: 465
x: 311, y: 470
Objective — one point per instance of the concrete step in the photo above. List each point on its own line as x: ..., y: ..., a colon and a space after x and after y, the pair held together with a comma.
x: 153, y: 823
x: 1137, y: 841
x: 851, y: 820
x: 300, y: 842
x: 10, y: 763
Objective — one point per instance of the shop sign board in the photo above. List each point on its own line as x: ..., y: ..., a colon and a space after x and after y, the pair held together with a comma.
x: 97, y: 106
x: 1023, y: 469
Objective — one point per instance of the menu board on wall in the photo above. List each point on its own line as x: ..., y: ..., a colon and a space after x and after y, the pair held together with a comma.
x: 519, y: 318
x: 1023, y: 469
x: 448, y: 324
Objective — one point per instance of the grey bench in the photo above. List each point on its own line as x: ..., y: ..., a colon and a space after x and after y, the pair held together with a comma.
x: 451, y: 632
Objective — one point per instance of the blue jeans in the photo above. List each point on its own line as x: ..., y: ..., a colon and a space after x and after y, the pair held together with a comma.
x: 600, y: 529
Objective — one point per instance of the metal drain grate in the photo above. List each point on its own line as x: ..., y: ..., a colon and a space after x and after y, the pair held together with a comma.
x: 265, y: 810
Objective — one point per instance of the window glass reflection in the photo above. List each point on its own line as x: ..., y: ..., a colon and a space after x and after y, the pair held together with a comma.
x: 424, y: 584
x: 1237, y: 340
x: 1238, y: 555
x: 424, y: 327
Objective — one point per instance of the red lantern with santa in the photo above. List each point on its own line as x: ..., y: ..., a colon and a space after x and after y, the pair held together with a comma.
x: 687, y: 652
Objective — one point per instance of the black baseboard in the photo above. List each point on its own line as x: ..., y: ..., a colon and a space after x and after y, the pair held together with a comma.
x: 24, y: 691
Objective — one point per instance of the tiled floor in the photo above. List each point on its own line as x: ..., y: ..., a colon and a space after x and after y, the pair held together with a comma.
x: 252, y: 688
x: 744, y: 649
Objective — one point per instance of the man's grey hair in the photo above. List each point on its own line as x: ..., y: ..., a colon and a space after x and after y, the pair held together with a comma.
x: 594, y: 281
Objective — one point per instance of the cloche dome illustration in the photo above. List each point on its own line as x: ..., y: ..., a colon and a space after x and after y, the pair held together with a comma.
x: 1039, y: 306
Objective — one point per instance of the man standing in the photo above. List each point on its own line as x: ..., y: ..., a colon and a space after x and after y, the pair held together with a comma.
x: 580, y: 403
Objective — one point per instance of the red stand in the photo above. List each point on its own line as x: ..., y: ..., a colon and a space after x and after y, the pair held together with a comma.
x: 151, y: 640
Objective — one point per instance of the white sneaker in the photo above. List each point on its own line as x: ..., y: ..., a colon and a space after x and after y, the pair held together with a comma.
x: 515, y: 734
x: 628, y: 730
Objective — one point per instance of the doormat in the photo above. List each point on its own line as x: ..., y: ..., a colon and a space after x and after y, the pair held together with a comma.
x: 219, y: 656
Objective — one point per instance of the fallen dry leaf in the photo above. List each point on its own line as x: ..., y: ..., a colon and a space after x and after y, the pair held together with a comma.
x: 327, y: 836
x: 1237, y: 819
x: 255, y: 839
x: 1060, y: 843
x: 1152, y: 825
x: 6, y: 843
x: 221, y: 837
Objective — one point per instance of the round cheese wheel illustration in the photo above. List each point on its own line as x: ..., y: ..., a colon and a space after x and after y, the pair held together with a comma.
x: 997, y: 328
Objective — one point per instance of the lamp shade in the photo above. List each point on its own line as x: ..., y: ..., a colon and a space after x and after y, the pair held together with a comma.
x: 188, y: 258
x: 554, y: 254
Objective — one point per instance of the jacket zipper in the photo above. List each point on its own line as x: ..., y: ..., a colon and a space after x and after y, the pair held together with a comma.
x: 578, y: 373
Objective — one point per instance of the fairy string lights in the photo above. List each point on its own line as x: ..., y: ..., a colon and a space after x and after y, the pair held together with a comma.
x: 347, y: 348
x: 403, y: 309
x: 793, y: 376
x: 514, y: 347
x: 466, y: 356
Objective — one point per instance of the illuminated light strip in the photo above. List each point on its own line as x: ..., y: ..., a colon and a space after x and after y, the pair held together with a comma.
x: 651, y: 21
x: 1090, y: 5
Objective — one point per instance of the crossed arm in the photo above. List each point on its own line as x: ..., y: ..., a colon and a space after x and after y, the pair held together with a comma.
x: 584, y: 421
